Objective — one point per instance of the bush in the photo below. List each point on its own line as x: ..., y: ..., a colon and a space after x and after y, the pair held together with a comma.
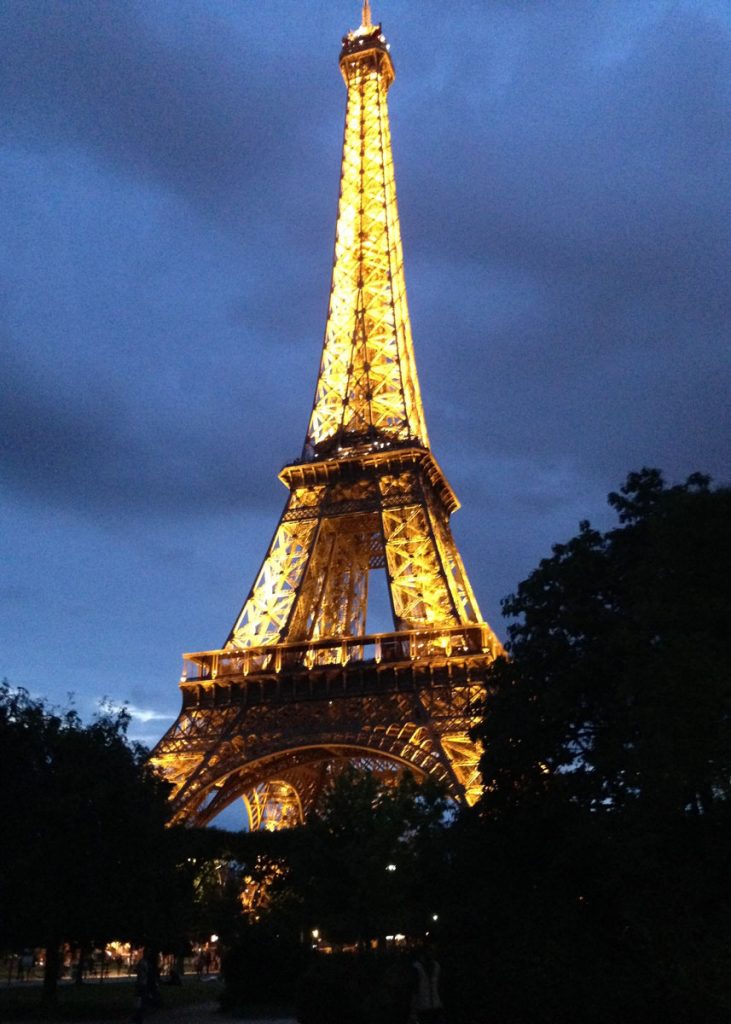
x: 370, y: 989
x: 261, y: 969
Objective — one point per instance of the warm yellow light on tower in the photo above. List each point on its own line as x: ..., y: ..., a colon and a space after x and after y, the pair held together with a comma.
x: 300, y: 689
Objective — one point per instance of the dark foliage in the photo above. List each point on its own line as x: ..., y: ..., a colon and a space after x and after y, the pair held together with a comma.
x: 363, y: 865
x: 262, y: 967
x: 598, y: 857
x: 85, y: 855
x: 359, y: 990
x: 367, y: 864
x: 617, y: 694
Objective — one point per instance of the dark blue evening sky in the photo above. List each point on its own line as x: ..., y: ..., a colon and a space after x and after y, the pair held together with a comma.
x: 169, y: 177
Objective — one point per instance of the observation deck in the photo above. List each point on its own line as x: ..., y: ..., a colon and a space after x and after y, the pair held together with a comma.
x: 332, y: 666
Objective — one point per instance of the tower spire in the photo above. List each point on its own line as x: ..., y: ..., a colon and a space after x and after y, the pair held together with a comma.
x: 367, y: 391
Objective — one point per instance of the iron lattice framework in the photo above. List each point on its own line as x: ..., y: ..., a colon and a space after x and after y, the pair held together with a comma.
x: 300, y: 688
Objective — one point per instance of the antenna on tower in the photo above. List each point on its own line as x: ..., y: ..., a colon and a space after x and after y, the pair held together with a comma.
x: 367, y: 22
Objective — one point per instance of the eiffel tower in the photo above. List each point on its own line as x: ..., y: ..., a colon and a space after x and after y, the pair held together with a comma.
x: 300, y: 689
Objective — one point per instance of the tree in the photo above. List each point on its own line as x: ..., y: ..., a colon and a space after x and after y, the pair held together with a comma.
x: 617, y: 689
x: 369, y: 862
x: 366, y: 859
x: 598, y: 854
x: 85, y: 853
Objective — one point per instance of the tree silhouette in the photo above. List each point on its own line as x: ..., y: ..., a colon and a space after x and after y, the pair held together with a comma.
x: 85, y: 855
x: 617, y: 690
x: 598, y: 855
x: 363, y: 862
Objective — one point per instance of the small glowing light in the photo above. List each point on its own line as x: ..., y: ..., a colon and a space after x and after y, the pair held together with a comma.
x: 214, y: 938
x: 390, y: 867
x: 435, y: 917
x: 315, y: 933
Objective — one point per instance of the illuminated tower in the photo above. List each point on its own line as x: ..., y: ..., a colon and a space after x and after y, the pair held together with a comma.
x: 300, y: 689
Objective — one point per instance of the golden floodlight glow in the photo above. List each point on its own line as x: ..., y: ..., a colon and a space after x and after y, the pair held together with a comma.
x: 300, y: 689
x: 367, y: 385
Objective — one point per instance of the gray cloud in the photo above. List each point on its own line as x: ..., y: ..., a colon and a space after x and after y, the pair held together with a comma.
x: 202, y: 114
x: 579, y: 234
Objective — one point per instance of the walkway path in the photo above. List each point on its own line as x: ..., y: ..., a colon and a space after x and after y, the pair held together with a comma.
x: 203, y: 1013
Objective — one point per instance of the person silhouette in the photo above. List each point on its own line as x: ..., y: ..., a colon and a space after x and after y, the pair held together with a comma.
x: 426, y: 1002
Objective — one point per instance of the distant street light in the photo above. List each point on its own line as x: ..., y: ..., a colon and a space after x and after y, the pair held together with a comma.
x: 390, y: 867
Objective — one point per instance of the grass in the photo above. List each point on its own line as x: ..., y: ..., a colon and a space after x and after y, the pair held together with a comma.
x: 95, y: 1001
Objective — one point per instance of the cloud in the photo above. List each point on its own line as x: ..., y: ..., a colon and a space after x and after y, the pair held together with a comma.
x: 95, y: 455
x: 146, y: 715
x: 575, y: 240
